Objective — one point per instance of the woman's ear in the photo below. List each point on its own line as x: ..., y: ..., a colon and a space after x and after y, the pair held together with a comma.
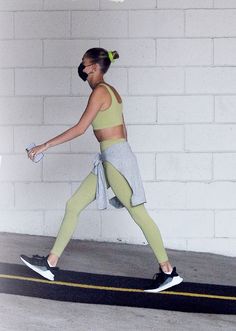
x: 95, y: 67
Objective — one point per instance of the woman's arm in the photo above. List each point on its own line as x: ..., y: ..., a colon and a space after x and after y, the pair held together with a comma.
x: 63, y: 137
x: 95, y: 103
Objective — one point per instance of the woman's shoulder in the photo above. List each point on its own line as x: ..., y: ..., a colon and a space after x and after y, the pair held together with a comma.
x: 104, y: 86
x: 100, y: 91
x: 113, y: 90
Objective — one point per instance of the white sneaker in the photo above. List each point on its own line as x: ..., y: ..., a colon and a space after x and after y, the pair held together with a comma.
x: 40, y: 265
x: 163, y: 281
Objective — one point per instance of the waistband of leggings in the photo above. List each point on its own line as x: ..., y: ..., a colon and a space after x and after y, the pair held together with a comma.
x: 107, y: 143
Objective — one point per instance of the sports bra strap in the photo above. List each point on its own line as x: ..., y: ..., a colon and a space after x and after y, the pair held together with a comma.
x: 110, y: 89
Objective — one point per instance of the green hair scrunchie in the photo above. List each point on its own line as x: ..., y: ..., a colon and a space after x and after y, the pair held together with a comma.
x: 110, y: 55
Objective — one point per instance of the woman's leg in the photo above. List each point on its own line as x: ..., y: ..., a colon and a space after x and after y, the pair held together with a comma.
x: 83, y: 196
x: 139, y: 214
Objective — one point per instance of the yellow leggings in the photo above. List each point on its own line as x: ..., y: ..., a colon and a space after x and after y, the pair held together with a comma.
x: 86, y: 193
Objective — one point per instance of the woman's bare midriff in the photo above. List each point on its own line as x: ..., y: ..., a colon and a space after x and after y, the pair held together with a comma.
x: 110, y: 133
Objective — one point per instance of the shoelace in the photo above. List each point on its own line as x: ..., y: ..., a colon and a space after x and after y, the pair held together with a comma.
x: 157, y: 275
x: 37, y: 256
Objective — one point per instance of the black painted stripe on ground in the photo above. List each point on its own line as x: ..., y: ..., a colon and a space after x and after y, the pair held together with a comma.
x: 117, y: 290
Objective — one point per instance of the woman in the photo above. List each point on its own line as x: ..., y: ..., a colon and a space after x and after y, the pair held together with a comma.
x: 115, y: 167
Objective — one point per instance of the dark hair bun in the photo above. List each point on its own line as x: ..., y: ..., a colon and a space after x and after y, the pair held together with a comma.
x: 101, y: 56
x: 115, y: 55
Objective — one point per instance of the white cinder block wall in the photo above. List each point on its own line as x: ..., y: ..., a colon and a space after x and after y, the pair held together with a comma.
x: 177, y: 77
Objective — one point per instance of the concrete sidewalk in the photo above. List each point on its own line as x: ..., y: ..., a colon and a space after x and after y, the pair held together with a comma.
x: 24, y: 313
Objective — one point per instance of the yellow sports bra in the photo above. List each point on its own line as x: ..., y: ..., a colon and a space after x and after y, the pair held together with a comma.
x: 111, y: 116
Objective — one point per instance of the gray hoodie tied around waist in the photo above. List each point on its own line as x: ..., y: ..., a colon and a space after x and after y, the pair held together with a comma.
x: 124, y: 160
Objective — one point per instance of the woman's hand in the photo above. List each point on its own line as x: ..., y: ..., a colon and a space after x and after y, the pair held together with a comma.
x: 36, y: 150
